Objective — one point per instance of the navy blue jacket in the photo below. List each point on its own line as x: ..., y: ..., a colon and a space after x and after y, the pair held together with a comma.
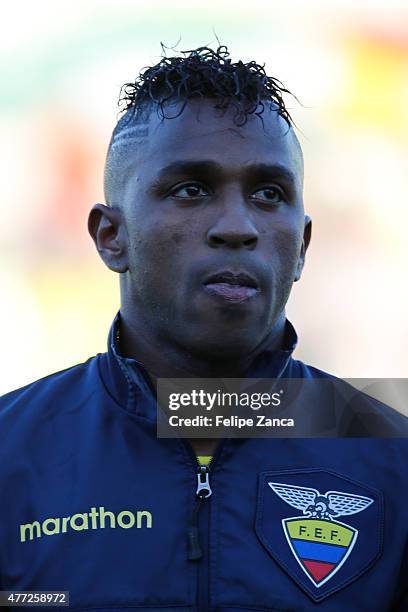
x: 94, y: 504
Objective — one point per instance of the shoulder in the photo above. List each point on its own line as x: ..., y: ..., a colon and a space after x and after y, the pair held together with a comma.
x: 46, y: 394
x: 46, y: 422
x: 358, y: 411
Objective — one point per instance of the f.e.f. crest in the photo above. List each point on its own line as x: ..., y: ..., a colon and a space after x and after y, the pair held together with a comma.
x: 320, y: 544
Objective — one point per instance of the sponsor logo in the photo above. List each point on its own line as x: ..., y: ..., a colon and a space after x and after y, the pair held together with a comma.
x: 94, y: 519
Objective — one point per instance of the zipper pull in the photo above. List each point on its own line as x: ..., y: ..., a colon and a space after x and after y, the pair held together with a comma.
x: 202, y: 492
x: 203, y: 482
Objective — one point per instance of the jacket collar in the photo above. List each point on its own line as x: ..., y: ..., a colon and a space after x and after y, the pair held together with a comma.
x: 128, y: 382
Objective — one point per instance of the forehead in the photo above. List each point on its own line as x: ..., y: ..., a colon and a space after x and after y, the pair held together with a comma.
x: 203, y: 132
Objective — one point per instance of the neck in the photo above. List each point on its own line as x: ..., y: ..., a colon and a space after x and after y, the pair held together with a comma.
x: 167, y: 360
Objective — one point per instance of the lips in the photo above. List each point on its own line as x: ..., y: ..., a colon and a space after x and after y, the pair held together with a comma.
x: 232, y: 278
x: 232, y: 286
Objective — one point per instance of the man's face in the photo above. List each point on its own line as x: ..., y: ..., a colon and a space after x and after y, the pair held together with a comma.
x: 215, y: 227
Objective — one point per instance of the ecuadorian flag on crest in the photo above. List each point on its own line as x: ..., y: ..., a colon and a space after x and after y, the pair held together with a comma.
x: 319, y: 546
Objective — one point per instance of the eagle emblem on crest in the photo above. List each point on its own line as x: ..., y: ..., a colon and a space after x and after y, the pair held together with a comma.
x: 327, y: 506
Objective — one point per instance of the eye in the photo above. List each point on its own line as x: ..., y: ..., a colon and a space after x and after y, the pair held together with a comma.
x: 268, y: 195
x: 189, y: 191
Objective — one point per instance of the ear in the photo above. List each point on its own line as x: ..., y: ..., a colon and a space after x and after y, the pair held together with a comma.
x: 307, y: 234
x: 105, y: 224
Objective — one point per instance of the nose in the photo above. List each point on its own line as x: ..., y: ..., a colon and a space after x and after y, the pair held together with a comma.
x: 233, y: 228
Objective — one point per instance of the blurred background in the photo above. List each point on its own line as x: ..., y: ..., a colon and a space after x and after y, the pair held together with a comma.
x: 62, y: 65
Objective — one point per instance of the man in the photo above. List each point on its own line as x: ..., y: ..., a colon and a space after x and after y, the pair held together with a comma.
x: 204, y: 223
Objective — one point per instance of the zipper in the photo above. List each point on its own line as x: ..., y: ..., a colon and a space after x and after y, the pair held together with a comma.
x: 203, y: 493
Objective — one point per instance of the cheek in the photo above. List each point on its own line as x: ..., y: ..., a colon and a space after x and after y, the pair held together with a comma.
x: 288, y: 247
x: 285, y: 245
x: 176, y: 237
x: 159, y: 247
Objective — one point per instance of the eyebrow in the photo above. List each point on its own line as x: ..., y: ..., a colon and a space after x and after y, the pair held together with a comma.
x: 211, y: 168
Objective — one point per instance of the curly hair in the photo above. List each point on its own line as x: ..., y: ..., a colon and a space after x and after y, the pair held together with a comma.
x: 198, y: 73
x: 205, y: 73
